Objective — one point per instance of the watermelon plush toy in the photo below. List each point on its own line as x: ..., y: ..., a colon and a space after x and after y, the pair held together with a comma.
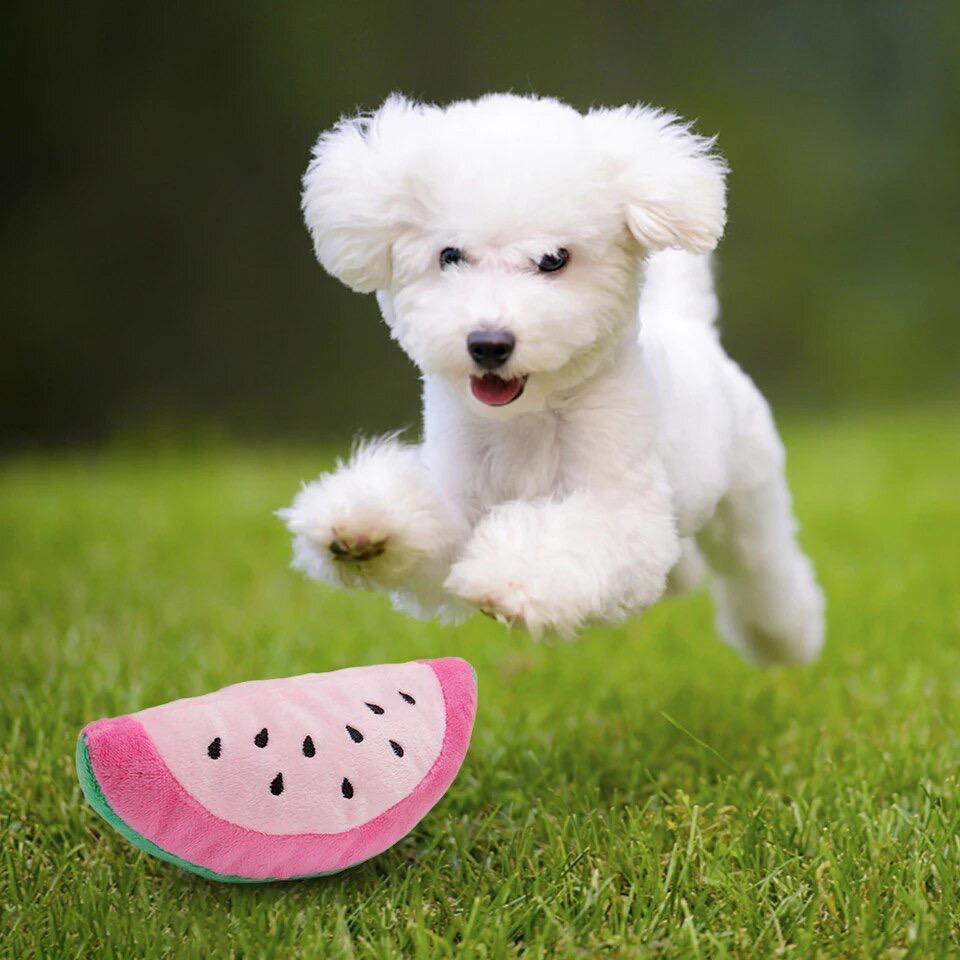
x: 276, y: 779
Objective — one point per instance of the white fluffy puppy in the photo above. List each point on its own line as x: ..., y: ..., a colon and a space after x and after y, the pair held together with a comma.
x: 586, y: 441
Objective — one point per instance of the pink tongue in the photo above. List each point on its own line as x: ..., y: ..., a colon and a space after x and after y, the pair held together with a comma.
x: 494, y: 390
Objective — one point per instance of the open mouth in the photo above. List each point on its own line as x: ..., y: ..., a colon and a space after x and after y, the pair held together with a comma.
x: 494, y: 391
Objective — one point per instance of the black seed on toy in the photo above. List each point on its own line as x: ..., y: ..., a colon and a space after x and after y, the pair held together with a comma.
x: 276, y: 785
x: 261, y: 738
x: 355, y: 735
x: 376, y: 708
x: 213, y: 751
x: 309, y: 749
x: 406, y: 696
x: 397, y: 749
x: 346, y: 788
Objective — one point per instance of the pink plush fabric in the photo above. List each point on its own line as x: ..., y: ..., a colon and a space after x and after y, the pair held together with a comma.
x: 325, y: 706
x: 220, y: 814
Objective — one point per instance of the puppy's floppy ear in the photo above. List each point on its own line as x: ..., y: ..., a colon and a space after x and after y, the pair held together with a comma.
x: 352, y: 202
x: 671, y: 183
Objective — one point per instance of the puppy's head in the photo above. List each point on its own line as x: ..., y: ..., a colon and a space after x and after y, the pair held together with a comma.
x: 504, y: 236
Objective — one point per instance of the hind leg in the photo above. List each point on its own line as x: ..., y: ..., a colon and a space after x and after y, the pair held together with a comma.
x: 769, y: 606
x: 689, y: 572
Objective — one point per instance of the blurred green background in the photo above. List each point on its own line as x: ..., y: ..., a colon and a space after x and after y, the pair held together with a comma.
x: 157, y: 275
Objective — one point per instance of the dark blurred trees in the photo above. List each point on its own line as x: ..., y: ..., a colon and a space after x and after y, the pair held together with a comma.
x: 156, y: 270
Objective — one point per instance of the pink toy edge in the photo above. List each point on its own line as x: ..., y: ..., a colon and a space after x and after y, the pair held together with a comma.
x: 143, y: 792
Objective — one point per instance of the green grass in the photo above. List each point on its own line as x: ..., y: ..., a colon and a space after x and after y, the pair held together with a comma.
x: 640, y: 792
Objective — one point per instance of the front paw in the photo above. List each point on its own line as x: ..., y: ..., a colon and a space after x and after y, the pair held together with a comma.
x: 342, y: 555
x: 515, y: 600
x: 349, y: 541
x: 558, y: 565
x: 346, y: 548
x: 375, y: 522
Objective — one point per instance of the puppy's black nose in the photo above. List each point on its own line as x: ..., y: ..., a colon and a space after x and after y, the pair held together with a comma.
x: 490, y: 348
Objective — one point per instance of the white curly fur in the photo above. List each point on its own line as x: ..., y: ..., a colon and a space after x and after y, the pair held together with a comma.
x: 637, y: 447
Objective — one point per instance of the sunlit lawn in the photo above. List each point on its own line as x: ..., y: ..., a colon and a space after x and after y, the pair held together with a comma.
x: 640, y: 792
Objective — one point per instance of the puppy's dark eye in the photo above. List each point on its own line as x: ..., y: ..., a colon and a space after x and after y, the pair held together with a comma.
x: 450, y: 255
x: 552, y: 262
